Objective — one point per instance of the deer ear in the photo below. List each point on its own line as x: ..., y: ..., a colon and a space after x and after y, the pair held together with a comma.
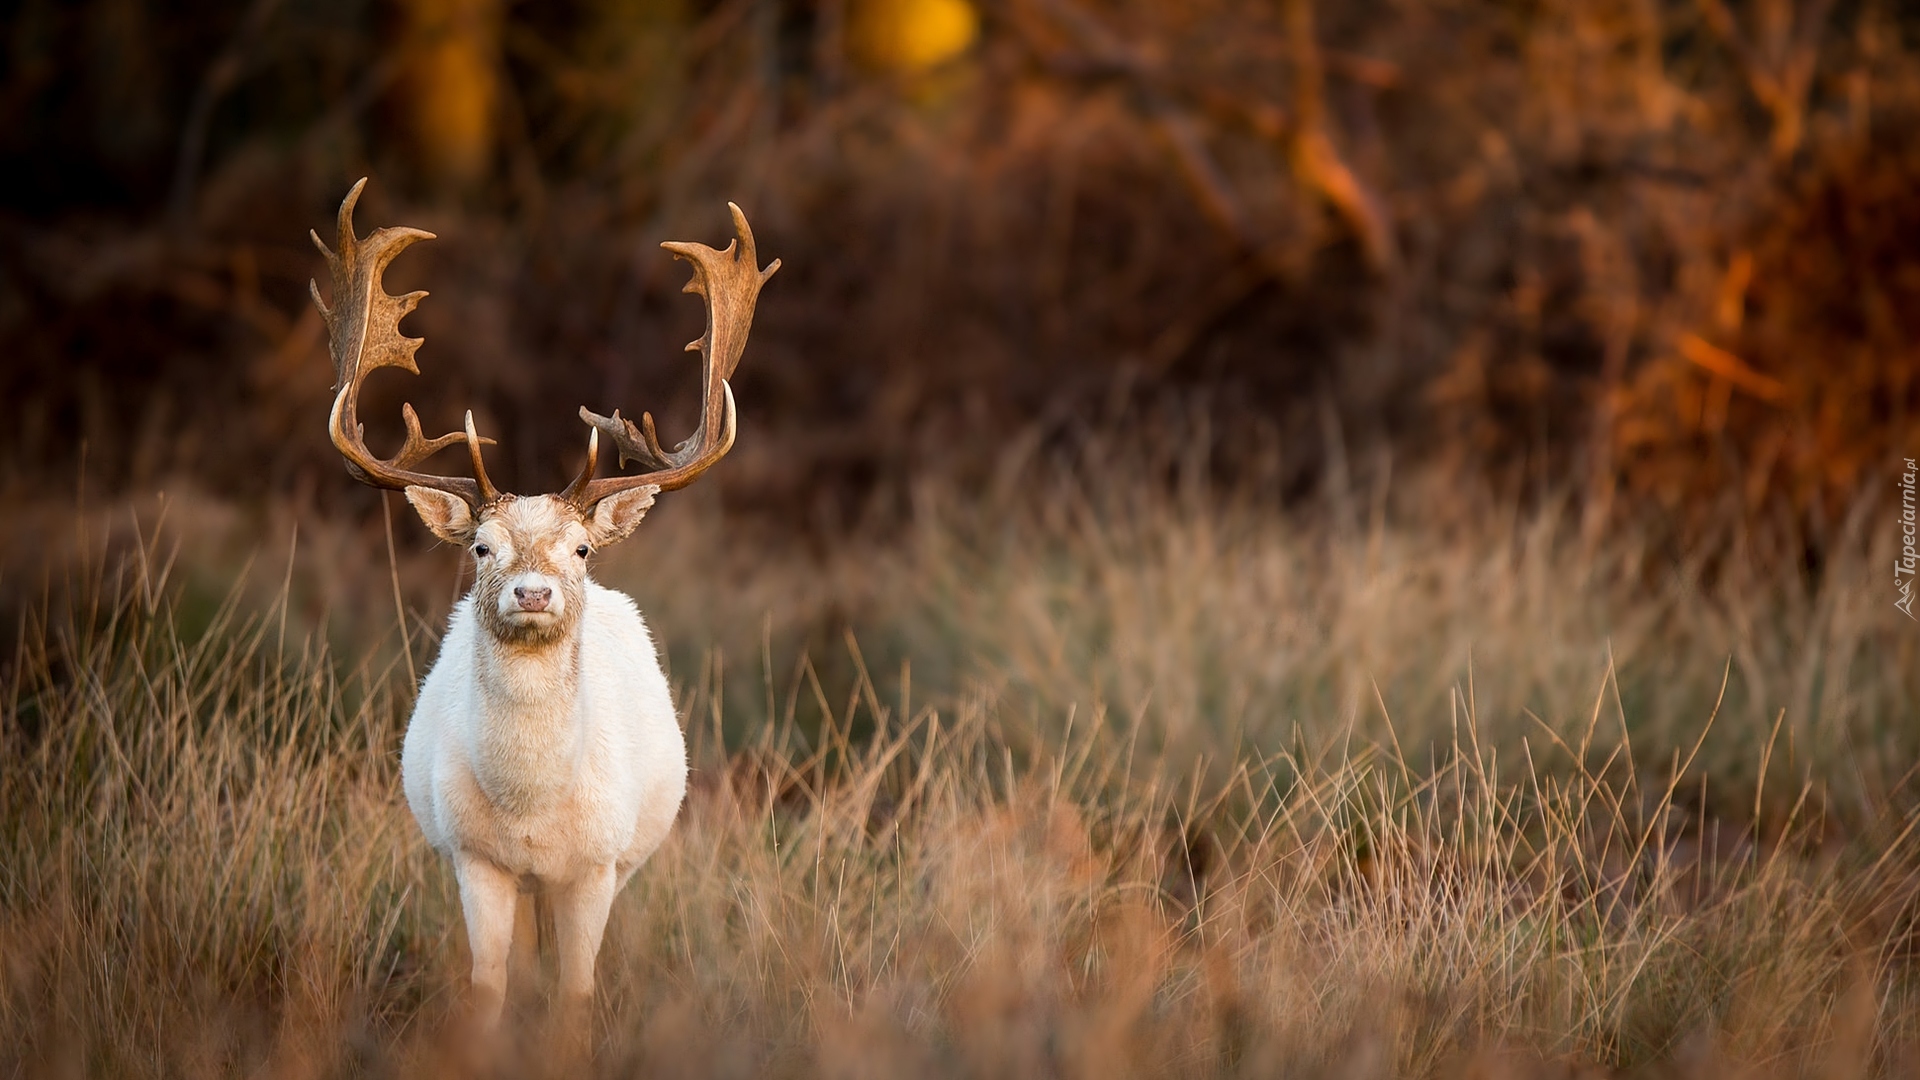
x: 447, y: 515
x: 618, y: 515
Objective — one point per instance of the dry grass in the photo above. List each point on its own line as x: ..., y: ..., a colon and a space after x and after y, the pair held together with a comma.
x: 1140, y: 810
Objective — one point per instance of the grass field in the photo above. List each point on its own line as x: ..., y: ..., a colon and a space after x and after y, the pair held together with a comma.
x: 1079, y: 776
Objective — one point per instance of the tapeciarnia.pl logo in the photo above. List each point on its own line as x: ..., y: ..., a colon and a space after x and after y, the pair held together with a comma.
x: 1903, y: 568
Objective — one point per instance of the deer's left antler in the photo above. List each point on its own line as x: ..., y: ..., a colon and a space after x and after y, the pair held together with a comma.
x: 730, y: 282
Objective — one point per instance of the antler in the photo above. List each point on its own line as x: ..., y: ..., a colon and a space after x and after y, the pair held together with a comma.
x: 730, y: 281
x: 363, y: 329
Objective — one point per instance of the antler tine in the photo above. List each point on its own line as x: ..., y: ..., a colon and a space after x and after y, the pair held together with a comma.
x: 730, y: 282
x: 577, y: 490
x: 363, y: 331
x: 487, y: 491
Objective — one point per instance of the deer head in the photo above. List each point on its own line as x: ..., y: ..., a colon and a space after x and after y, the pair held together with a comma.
x: 530, y: 551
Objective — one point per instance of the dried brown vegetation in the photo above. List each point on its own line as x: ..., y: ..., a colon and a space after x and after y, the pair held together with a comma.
x: 1663, y: 249
x: 1117, y: 783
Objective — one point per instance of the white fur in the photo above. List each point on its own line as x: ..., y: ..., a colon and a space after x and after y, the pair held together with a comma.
x: 558, y: 767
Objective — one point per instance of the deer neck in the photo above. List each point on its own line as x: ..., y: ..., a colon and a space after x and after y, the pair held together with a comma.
x: 528, y: 741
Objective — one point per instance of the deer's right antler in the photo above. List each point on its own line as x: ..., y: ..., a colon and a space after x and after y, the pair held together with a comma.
x: 363, y: 330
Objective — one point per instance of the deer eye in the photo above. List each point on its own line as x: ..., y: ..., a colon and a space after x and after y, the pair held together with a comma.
x: 482, y: 551
x: 581, y: 551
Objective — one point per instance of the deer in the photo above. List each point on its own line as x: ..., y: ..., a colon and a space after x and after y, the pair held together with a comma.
x: 543, y: 758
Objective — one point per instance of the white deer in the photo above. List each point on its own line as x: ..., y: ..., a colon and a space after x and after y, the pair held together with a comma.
x: 543, y: 758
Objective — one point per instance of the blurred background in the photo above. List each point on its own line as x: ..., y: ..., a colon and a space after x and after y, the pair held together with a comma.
x: 1662, y: 253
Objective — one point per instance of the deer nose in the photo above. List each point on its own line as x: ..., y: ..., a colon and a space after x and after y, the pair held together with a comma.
x: 532, y: 599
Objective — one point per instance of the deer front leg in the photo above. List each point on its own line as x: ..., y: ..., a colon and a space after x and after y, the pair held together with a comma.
x: 579, y: 919
x: 487, y: 898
